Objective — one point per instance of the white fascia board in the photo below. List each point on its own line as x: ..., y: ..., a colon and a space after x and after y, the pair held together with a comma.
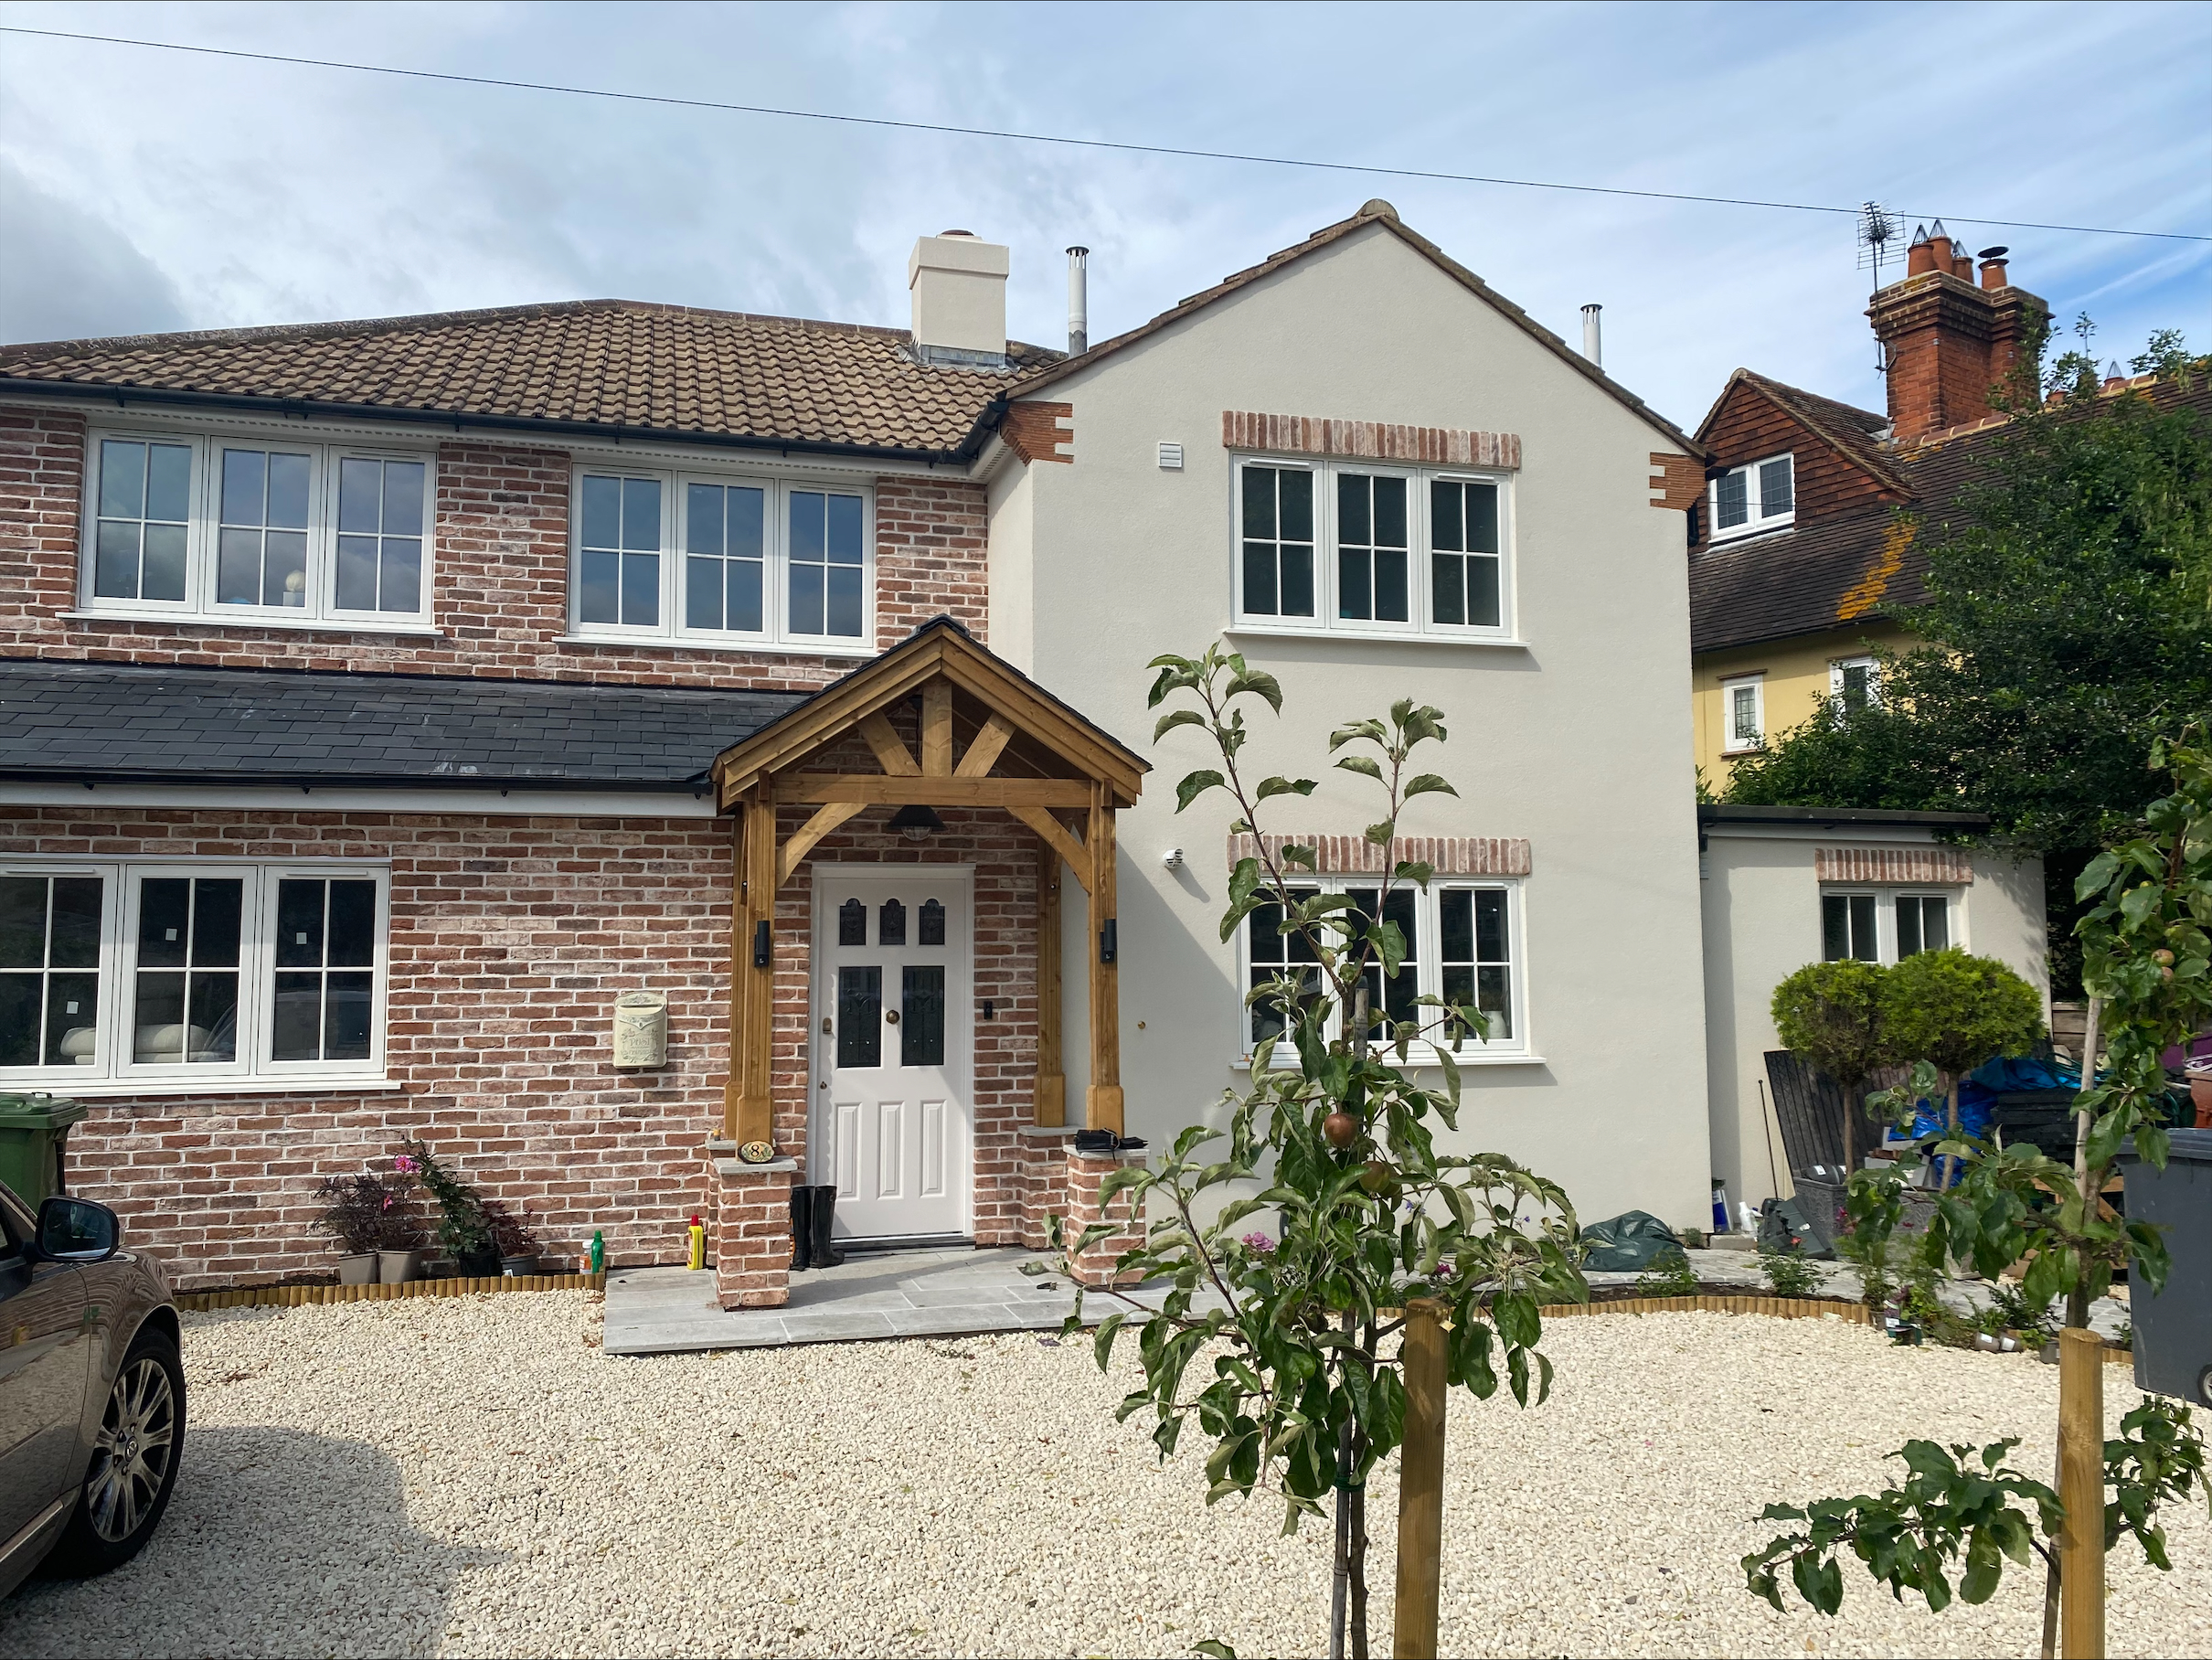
x: 340, y: 798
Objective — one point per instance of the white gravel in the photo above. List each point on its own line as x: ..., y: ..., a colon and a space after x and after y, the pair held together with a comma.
x: 475, y: 1477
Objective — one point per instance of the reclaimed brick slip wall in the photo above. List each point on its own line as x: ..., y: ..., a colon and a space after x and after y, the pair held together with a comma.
x: 500, y: 589
x: 510, y: 940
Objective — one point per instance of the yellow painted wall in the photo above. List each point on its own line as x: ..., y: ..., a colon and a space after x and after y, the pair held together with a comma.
x: 1797, y: 678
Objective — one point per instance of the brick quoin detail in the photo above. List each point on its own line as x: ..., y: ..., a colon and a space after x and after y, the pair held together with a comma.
x: 1357, y: 855
x: 1910, y: 866
x: 1681, y: 482
x: 1036, y: 431
x: 499, y: 601
x: 1368, y: 440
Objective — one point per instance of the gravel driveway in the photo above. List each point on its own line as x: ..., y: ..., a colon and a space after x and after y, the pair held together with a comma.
x: 474, y: 1477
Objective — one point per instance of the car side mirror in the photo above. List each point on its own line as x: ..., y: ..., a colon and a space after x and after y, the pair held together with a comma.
x: 76, y: 1231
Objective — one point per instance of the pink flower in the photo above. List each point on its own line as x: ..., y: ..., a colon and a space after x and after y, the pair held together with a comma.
x: 1259, y: 1242
x: 405, y: 1165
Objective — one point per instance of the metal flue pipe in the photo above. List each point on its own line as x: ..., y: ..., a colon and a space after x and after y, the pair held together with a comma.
x: 1078, y: 301
x: 1593, y: 347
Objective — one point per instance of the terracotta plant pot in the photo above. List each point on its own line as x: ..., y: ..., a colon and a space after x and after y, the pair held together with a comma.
x: 397, y: 1267
x: 357, y: 1271
x: 2200, y: 1092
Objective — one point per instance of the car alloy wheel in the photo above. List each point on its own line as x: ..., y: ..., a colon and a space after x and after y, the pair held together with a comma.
x: 131, y: 1458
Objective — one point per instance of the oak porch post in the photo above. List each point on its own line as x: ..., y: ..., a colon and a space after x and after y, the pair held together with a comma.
x: 1050, y: 1104
x: 741, y: 937
x: 753, y: 985
x: 1102, y: 1104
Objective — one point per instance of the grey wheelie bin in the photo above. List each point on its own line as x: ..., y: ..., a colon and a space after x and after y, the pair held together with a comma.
x: 2174, y: 1329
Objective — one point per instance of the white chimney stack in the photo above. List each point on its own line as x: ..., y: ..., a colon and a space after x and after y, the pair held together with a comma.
x: 1078, y: 301
x: 1593, y: 347
x: 959, y: 287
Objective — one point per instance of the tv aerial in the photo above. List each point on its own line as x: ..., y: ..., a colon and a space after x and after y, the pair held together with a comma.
x: 1877, y: 229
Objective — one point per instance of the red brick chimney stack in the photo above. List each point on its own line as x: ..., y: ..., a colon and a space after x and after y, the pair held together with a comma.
x: 1948, y: 343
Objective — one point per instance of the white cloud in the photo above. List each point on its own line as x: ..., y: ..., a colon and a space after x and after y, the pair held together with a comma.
x: 265, y: 193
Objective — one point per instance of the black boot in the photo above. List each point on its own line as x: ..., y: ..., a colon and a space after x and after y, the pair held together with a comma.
x: 824, y: 1219
x: 802, y: 1227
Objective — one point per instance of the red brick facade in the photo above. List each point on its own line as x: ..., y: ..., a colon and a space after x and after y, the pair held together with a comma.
x: 500, y: 599
x: 511, y: 937
x: 1750, y: 426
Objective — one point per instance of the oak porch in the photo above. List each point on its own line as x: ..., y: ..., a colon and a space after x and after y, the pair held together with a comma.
x: 989, y: 737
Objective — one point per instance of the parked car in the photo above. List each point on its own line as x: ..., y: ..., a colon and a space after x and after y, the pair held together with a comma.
x: 92, y: 1391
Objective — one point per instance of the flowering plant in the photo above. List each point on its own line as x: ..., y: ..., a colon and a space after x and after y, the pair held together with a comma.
x: 367, y: 1212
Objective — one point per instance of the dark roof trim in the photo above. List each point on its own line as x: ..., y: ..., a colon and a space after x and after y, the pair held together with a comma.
x: 1380, y: 214
x: 692, y: 784
x: 463, y: 420
x: 1710, y: 814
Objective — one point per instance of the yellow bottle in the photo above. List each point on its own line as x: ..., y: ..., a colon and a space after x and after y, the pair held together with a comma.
x: 698, y: 1243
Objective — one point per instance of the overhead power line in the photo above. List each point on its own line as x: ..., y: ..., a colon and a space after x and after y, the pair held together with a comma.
x: 1124, y: 146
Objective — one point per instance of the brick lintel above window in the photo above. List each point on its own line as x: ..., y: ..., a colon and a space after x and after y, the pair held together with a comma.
x: 1911, y: 867
x: 1370, y: 440
x: 1357, y: 855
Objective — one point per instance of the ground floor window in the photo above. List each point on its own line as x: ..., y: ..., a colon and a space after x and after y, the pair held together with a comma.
x: 1462, y: 943
x: 158, y: 975
x: 1885, y: 925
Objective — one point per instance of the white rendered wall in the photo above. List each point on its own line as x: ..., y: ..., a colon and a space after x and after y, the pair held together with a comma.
x: 1581, y: 742
x: 1762, y: 924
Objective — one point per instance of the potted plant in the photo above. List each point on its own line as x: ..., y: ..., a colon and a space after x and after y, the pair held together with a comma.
x: 353, y: 1214
x: 398, y: 1233
x: 517, y: 1246
x: 464, y: 1227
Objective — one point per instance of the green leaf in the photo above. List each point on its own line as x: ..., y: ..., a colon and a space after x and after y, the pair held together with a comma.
x: 1173, y: 719
x: 1269, y: 787
x: 1408, y: 870
x: 1427, y: 783
x: 1360, y: 763
x: 1381, y: 835
x: 1300, y: 854
x: 1213, y: 1648
x: 1195, y: 785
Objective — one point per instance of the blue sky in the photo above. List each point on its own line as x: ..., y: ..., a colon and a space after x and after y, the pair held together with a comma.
x: 145, y: 190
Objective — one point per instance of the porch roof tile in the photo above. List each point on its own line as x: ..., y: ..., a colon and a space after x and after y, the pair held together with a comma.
x: 97, y: 722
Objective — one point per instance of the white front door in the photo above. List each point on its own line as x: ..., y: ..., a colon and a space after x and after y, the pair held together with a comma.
x: 891, y: 1053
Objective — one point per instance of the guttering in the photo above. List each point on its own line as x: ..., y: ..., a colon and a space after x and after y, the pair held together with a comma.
x: 1838, y: 817
x: 696, y: 783
x: 463, y: 421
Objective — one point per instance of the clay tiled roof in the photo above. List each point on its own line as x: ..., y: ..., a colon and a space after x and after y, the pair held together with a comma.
x: 1854, y: 433
x: 617, y: 365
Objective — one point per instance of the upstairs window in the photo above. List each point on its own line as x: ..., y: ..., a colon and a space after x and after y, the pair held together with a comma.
x: 232, y: 530
x: 1761, y: 496
x: 1853, y: 683
x: 721, y: 561
x: 1743, y: 713
x: 1365, y: 548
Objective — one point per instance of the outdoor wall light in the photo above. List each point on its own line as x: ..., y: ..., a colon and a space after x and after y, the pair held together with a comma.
x: 917, y: 824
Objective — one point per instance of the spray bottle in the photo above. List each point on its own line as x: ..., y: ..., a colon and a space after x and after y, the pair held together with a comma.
x: 698, y: 1241
x: 598, y: 1254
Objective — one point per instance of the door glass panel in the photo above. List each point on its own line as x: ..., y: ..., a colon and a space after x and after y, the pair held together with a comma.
x: 921, y: 1021
x: 891, y: 923
x: 931, y: 923
x: 852, y: 923
x: 860, y: 1016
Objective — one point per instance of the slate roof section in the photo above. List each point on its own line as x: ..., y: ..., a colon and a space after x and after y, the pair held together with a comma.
x: 118, y: 723
x: 581, y: 366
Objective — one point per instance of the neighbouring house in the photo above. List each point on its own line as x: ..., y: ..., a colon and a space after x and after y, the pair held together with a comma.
x: 384, y: 699
x: 1788, y: 886
x: 1800, y: 553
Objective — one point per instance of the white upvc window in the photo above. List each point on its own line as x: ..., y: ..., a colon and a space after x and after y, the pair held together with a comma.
x: 246, y: 529
x: 176, y: 976
x: 1887, y: 924
x: 1463, y: 942
x: 1854, y: 682
x: 1761, y: 495
x: 1366, y: 547
x: 721, y: 558
x: 1743, y: 713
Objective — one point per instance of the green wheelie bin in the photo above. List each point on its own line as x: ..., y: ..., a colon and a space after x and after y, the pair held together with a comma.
x: 32, y: 1128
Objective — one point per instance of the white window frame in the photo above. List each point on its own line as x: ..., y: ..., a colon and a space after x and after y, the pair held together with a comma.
x: 674, y: 627
x: 321, y: 608
x: 1422, y: 624
x: 1757, y: 521
x: 1885, y: 897
x: 1730, y: 744
x: 114, y: 1069
x: 1863, y: 660
x: 1428, y: 966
